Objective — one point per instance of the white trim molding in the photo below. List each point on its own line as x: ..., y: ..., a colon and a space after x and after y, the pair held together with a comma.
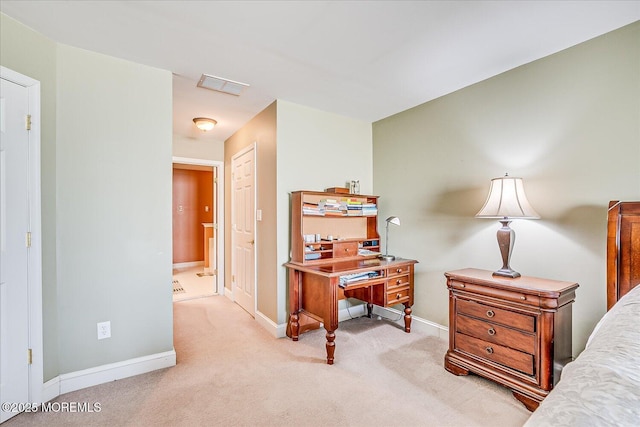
x: 359, y: 310
x: 73, y: 381
x: 417, y: 323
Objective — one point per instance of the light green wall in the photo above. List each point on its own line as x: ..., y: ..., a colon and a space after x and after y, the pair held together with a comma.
x: 29, y: 53
x: 114, y: 208
x: 569, y: 124
x: 106, y: 201
x: 316, y: 150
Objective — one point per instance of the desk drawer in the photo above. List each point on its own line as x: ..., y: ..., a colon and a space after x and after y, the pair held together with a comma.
x: 513, y: 359
x: 345, y: 249
x: 398, y: 281
x: 398, y: 295
x: 399, y: 269
x: 496, y: 333
x: 496, y: 315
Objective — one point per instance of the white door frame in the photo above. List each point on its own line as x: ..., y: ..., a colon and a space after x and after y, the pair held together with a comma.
x: 254, y: 147
x: 34, y: 285
x: 219, y: 187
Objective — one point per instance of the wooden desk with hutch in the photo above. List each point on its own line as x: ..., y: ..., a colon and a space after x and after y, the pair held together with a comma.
x: 320, y: 272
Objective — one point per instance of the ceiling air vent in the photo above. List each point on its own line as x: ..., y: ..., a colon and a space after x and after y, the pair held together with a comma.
x: 221, y: 85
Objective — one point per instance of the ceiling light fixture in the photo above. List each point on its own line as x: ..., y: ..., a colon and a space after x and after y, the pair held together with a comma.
x: 204, y: 123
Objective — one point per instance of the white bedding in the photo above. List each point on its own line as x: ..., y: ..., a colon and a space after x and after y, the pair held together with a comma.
x: 601, y: 387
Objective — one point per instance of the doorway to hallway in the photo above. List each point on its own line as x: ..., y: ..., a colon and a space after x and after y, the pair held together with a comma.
x: 197, y: 228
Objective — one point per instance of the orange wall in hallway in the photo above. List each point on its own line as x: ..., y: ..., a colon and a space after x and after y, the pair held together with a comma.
x: 192, y: 192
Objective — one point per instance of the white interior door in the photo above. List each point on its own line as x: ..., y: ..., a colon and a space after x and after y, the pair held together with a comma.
x: 243, y: 229
x: 14, y: 226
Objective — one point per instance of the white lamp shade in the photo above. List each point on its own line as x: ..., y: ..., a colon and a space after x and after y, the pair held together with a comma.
x: 393, y: 220
x: 507, y: 200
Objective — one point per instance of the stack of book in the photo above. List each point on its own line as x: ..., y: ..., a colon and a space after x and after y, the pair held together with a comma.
x: 311, y: 209
x: 369, y: 209
x: 353, y: 207
x: 331, y: 207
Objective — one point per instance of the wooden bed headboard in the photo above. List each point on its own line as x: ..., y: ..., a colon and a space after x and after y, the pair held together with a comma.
x: 623, y: 249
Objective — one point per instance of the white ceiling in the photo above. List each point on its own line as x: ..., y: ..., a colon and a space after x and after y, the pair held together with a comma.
x: 362, y: 59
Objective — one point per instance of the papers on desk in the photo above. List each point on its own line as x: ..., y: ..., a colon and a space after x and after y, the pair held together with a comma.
x: 356, y: 277
x: 364, y: 252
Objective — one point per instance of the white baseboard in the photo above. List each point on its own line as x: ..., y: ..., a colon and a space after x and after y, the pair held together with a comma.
x: 73, y: 381
x: 278, y: 331
x: 188, y: 264
x: 417, y: 324
x: 50, y: 390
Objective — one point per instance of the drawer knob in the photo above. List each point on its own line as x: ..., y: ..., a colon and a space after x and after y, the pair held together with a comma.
x: 398, y: 296
x: 399, y: 270
x: 398, y: 281
x: 346, y: 249
x: 489, y: 350
x: 491, y: 331
x: 523, y: 297
x: 462, y: 285
x: 490, y: 313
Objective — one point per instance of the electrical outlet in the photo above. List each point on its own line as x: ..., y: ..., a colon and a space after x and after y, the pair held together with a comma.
x: 104, y: 330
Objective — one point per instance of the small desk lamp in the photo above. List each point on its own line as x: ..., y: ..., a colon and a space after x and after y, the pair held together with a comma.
x: 395, y: 221
x: 507, y: 201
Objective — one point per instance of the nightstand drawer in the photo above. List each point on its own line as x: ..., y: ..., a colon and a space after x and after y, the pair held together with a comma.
x: 398, y: 296
x: 513, y: 359
x: 497, y: 334
x: 496, y: 315
x: 514, y: 295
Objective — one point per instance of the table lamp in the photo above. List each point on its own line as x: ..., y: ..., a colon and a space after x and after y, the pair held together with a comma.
x: 507, y: 201
x: 395, y: 221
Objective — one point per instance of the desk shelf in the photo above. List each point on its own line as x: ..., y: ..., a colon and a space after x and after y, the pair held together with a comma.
x: 349, y: 232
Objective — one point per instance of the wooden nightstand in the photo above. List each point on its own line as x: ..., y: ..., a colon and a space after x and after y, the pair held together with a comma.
x: 516, y: 332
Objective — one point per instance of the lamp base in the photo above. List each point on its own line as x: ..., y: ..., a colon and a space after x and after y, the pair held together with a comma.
x: 506, y: 273
x: 387, y: 257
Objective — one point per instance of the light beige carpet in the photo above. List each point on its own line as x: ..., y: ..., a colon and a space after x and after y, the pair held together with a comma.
x: 231, y: 372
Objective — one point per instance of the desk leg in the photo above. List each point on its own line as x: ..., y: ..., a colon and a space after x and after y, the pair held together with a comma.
x: 407, y: 318
x: 331, y: 346
x: 293, y: 328
x: 369, y: 310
